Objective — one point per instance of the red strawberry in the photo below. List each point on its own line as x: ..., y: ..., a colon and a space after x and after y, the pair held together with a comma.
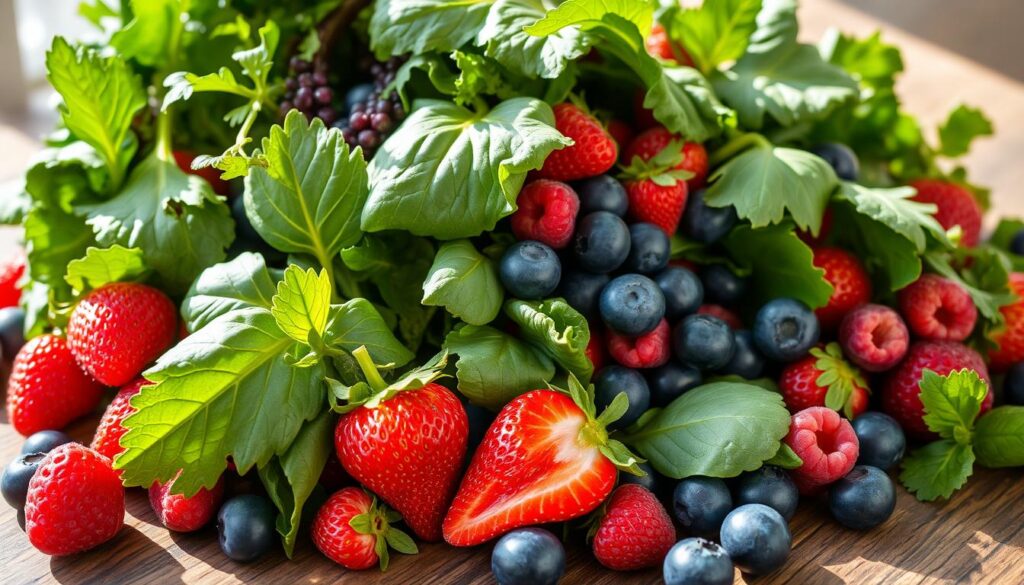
x: 11, y: 271
x: 406, y: 443
x: 181, y: 514
x: 1011, y: 337
x: 353, y: 530
x: 107, y: 439
x: 824, y: 378
x: 184, y: 159
x: 957, y: 207
x: 850, y: 283
x: 653, y: 141
x: 657, y: 188
x: 544, y: 459
x: 47, y: 389
x: 75, y: 501
x: 660, y: 45
x: 119, y: 329
x: 621, y: 132
x: 593, y: 153
x: 547, y: 213
x: 635, y: 531
x: 939, y: 309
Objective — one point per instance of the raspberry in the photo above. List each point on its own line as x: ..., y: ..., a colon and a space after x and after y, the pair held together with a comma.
x: 728, y: 315
x: 635, y: 532
x: 547, y: 213
x: 827, y: 445
x: 650, y: 350
x: 593, y: 152
x: 107, y: 439
x: 874, y: 337
x: 938, y: 309
x: 182, y: 514
x: 75, y: 501
x: 956, y: 207
x: 1011, y: 339
x: 850, y: 282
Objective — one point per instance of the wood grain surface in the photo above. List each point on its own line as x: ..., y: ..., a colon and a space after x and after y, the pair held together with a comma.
x: 977, y: 537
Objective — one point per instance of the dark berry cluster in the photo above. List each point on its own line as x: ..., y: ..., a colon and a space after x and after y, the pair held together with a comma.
x: 371, y: 116
x: 307, y: 89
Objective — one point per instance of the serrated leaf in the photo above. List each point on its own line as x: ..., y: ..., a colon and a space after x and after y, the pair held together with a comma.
x: 494, y: 367
x: 937, y: 469
x: 717, y: 32
x: 963, y: 125
x: 104, y: 265
x: 785, y: 458
x: 465, y: 282
x: 896, y: 209
x: 357, y: 323
x: 999, y: 437
x: 780, y: 264
x: 868, y: 59
x: 557, y: 330
x: 505, y: 40
x: 884, y: 251
x: 302, y: 303
x: 242, y: 282
x: 146, y: 38
x: 952, y: 402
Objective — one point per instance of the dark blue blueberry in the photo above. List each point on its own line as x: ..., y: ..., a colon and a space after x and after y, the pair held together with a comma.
x: 613, y: 380
x: 684, y: 292
x: 44, y: 442
x: 12, y: 332
x: 882, y: 441
x: 603, y: 193
x: 480, y: 420
x: 770, y: 486
x: 706, y: 224
x: 357, y: 95
x: 1017, y: 243
x: 841, y: 158
x: 649, y: 249
x: 1013, y: 387
x: 722, y: 286
x: 700, y: 504
x: 863, y: 499
x: 747, y: 362
x: 582, y: 290
x: 704, y: 342
x: 785, y: 330
x: 528, y: 556
x: 649, y: 480
x: 757, y: 538
x: 632, y: 304
x: 601, y: 242
x: 671, y: 381
x: 246, y: 527
x: 530, y: 270
x: 17, y: 474
x: 695, y: 561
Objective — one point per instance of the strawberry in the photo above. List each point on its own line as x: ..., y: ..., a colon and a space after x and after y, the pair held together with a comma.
x: 824, y: 378
x: 405, y: 442
x: 656, y: 187
x: 47, y: 389
x: 107, y: 439
x: 957, y: 207
x: 621, y: 132
x: 118, y: 329
x: 634, y: 532
x: 1011, y: 337
x: 643, y: 118
x: 184, y: 160
x: 11, y: 271
x: 185, y: 514
x: 660, y: 45
x: 545, y: 458
x: 353, y: 530
x: 851, y: 285
x: 593, y: 153
x: 651, y: 142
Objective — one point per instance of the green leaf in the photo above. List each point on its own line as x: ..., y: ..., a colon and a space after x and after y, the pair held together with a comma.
x: 557, y: 330
x: 985, y: 279
x: 937, y: 470
x: 465, y: 282
x: 147, y: 37
x: 589, y: 14
x: 302, y: 303
x: 896, y: 209
x: 54, y: 237
x: 780, y: 264
x: 450, y: 173
x: 398, y: 27
x: 718, y: 430
x: 357, y: 323
x: 1002, y: 238
x: 532, y: 56
x: 884, y: 251
x: 682, y: 99
x: 494, y: 367
x: 401, y: 542
x: 785, y: 458
x: 999, y: 437
x: 952, y: 402
x: 868, y: 59
x: 717, y: 32
x: 240, y: 283
x: 960, y: 129
x: 103, y: 265
x: 438, y: 73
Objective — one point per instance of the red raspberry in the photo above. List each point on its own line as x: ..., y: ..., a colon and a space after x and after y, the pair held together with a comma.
x: 1011, y: 338
x: 595, y: 349
x: 347, y: 527
x: 11, y: 271
x: 107, y: 439
x: 75, y: 501
x: 824, y: 378
x: 621, y: 132
x: 649, y: 350
x: 728, y: 315
x: 938, y: 309
x: 827, y: 445
x: 47, y: 389
x: 547, y: 213
x: 850, y: 282
x: 901, y: 394
x: 635, y: 531
x: 694, y: 157
x: 181, y: 514
x: 593, y: 153
x: 874, y: 337
x: 957, y: 207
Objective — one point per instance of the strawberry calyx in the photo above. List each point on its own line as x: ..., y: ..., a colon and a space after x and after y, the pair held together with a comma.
x: 839, y: 376
x: 377, y: 521
x: 661, y: 168
x: 595, y: 431
x: 373, y: 390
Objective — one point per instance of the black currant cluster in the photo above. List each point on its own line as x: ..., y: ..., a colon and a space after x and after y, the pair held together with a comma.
x: 307, y: 89
x: 372, y: 117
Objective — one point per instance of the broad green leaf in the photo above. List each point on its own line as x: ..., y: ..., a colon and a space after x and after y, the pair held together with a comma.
x: 557, y: 330
x: 438, y: 75
x: 897, y: 210
x: 937, y: 470
x: 494, y: 367
x: 302, y: 303
x: 961, y: 128
x: 357, y: 323
x: 588, y: 14
x: 887, y: 254
x: 717, y: 32
x: 68, y: 172
x: 533, y: 56
x: 465, y: 282
x: 242, y: 282
x: 780, y: 264
x: 999, y: 437
x: 952, y: 402
x: 103, y: 265
x: 398, y: 27
x: 147, y: 38
x: 682, y: 99
x: 53, y: 238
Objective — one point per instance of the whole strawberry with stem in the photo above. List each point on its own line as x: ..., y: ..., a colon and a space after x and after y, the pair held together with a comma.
x: 633, y: 531
x: 652, y: 141
x: 593, y: 152
x: 824, y: 378
x: 657, y: 188
x: 547, y: 457
x: 404, y: 441
x: 355, y: 531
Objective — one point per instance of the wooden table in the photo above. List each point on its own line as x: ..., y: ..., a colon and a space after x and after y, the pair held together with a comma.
x: 978, y: 537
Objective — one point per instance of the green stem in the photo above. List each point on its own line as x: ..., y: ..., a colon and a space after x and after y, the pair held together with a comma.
x: 738, y: 145
x: 370, y: 371
x: 164, y: 148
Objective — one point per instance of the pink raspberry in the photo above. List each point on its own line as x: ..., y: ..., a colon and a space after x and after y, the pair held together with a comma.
x: 938, y: 309
x: 649, y: 350
x: 874, y: 337
x: 827, y: 445
x: 547, y: 213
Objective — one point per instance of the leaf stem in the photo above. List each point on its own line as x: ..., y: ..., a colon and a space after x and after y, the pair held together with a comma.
x: 738, y: 145
x: 370, y: 371
x: 164, y: 148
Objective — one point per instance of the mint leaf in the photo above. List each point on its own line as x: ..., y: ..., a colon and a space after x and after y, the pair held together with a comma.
x: 465, y: 282
x: 147, y: 37
x: 450, y: 173
x: 885, y: 252
x: 897, y: 210
x: 104, y: 265
x: 717, y: 32
x: 557, y: 330
x: 302, y: 303
x: 357, y: 323
x: 780, y: 264
x: 952, y: 402
x: 963, y: 125
x: 494, y: 367
x: 937, y: 470
x: 999, y: 437
x: 718, y: 430
x: 398, y: 27
x: 239, y: 283
x: 507, y: 42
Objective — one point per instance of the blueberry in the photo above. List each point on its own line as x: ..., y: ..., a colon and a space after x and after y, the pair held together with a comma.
x: 863, y: 499
x: 700, y: 504
x: 632, y: 304
x: 684, y: 292
x: 582, y: 290
x: 1013, y: 387
x: 671, y: 381
x: 246, y: 527
x: 649, y: 480
x: 358, y: 94
x: 882, y: 441
x: 1017, y: 243
x: 747, y: 362
x: 841, y: 158
x: 44, y: 442
x: 613, y: 380
x: 695, y: 561
x: 770, y: 486
x: 530, y: 270
x: 602, y: 193
x: 480, y: 420
x: 12, y: 332
x: 648, y: 249
x: 756, y: 538
x: 528, y: 556
x: 21, y: 519
x: 722, y: 286
x: 17, y: 474
x: 706, y: 224
x: 704, y: 342
x: 785, y: 330
x: 601, y: 242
